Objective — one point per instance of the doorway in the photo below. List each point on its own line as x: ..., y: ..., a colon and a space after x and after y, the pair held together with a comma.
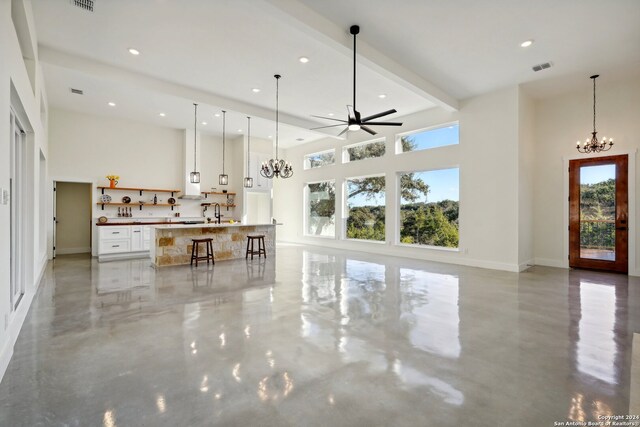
x: 598, y: 213
x: 72, y: 218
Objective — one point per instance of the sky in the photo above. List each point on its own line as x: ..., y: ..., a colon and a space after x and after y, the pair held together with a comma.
x: 440, y: 137
x: 595, y: 174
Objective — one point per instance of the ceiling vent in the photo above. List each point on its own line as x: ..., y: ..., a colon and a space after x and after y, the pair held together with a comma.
x: 84, y: 4
x: 541, y: 67
x: 77, y: 91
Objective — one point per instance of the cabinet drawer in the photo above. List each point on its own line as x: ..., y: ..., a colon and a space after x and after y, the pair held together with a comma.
x: 112, y: 232
x: 113, y: 246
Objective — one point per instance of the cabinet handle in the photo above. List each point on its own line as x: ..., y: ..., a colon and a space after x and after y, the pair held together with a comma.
x: 136, y: 231
x: 115, y: 246
x: 115, y: 232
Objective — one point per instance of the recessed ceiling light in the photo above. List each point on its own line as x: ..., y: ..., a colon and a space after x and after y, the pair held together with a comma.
x: 303, y: 59
x: 217, y: 114
x: 526, y: 43
x: 112, y: 104
x: 255, y: 90
x: 330, y: 114
x: 382, y: 96
x: 270, y: 137
x: 162, y: 114
x: 204, y: 123
x: 239, y: 130
x: 133, y: 51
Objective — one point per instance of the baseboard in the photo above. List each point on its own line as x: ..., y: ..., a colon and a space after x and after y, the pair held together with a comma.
x: 525, y: 265
x: 69, y: 251
x: 127, y: 255
x: 548, y: 262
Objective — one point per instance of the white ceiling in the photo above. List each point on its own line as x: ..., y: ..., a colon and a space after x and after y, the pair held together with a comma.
x: 417, y: 52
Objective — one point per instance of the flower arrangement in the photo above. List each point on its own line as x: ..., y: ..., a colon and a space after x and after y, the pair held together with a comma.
x: 113, y: 180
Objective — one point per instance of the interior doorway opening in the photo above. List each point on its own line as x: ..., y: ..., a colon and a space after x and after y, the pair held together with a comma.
x: 72, y: 218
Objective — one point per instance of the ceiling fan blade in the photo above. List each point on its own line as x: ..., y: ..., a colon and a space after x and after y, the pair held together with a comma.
x: 352, y: 116
x: 343, y: 132
x: 370, y: 131
x: 384, y: 113
x: 329, y: 118
x: 383, y: 123
x: 324, y: 127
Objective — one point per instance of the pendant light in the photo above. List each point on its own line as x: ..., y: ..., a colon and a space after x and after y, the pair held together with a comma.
x: 194, y: 177
x: 248, y: 181
x: 223, y: 177
x: 276, y: 168
x: 592, y: 145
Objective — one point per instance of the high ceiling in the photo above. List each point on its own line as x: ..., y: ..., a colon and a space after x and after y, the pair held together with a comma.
x: 419, y: 53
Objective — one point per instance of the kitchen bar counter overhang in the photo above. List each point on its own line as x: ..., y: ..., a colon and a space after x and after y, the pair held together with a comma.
x: 171, y: 244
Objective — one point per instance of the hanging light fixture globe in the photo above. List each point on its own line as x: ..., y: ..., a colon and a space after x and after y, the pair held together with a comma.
x: 276, y: 168
x: 592, y: 145
x: 223, y: 178
x: 194, y: 177
x: 248, y: 181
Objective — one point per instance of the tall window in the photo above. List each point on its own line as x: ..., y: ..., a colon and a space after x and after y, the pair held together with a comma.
x: 323, y: 158
x: 429, y: 208
x: 363, y: 150
x: 321, y: 209
x: 429, y: 138
x: 365, y: 208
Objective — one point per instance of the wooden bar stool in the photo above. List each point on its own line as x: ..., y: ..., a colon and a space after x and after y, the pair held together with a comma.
x: 195, y: 255
x: 261, y: 247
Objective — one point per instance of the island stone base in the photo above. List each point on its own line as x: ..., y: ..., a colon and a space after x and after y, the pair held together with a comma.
x: 172, y: 245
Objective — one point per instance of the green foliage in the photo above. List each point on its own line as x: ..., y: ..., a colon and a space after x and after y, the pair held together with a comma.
x: 367, y: 151
x: 366, y: 222
x: 322, y: 159
x: 321, y: 209
x: 433, y: 224
x: 598, y: 203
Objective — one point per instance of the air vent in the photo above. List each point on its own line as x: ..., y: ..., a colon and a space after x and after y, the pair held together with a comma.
x: 77, y: 91
x: 84, y: 4
x: 541, y: 67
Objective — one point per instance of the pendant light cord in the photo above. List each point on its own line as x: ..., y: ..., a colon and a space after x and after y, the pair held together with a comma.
x: 224, y: 121
x: 594, y: 104
x: 354, y: 73
x: 277, y: 76
x: 195, y: 142
x: 248, y: 141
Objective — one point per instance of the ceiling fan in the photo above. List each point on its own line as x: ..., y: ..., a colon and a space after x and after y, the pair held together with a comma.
x: 355, y: 121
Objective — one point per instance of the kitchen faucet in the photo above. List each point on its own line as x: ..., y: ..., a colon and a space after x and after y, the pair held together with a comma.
x: 216, y: 212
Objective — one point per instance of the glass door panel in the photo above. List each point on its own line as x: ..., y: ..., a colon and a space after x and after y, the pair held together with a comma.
x: 598, y: 212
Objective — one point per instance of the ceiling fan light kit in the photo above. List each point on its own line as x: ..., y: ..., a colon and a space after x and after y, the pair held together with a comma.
x: 354, y: 120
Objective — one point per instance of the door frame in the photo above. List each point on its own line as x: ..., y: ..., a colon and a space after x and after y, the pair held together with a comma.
x: 633, y: 269
x: 52, y: 222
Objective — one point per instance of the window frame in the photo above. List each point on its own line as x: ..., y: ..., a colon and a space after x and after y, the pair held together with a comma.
x: 345, y: 154
x: 305, y: 219
x: 398, y: 225
x: 345, y: 208
x: 398, y: 144
x: 305, y: 158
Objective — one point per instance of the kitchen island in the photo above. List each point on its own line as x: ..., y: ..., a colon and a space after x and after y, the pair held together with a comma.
x: 171, y: 244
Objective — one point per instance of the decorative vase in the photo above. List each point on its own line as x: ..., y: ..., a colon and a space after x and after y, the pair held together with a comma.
x: 113, y: 183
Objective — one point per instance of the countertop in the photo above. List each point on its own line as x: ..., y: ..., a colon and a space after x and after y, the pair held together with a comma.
x: 166, y: 226
x: 147, y: 223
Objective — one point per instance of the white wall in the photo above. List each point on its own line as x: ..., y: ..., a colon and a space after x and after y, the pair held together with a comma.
x: 489, y: 182
x: 560, y: 122
x: 87, y: 148
x: 27, y: 98
x: 526, y: 157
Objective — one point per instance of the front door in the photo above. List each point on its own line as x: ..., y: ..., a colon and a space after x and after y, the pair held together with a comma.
x: 598, y: 213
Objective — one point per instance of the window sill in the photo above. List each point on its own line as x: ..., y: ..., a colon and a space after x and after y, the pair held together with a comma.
x: 436, y: 248
x: 319, y: 236
x: 346, y: 239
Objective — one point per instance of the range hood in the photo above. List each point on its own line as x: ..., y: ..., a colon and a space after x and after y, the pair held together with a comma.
x: 190, y: 191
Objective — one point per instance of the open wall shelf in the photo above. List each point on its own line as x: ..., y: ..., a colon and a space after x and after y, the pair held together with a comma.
x: 149, y: 190
x: 139, y: 204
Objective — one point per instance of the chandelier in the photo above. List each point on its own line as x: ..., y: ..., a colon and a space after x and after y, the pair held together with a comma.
x: 276, y: 168
x: 592, y: 145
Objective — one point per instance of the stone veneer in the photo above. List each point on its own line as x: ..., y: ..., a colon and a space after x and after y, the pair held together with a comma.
x: 173, y: 245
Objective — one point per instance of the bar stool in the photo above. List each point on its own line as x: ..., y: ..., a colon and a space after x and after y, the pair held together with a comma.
x: 195, y: 250
x: 261, y: 247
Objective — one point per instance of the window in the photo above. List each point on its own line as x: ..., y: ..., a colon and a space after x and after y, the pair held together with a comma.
x: 321, y: 209
x: 317, y: 160
x: 363, y: 150
x: 429, y: 208
x: 365, y: 202
x: 429, y: 138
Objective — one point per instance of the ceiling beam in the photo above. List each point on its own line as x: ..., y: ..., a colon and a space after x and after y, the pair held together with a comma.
x: 310, y: 22
x: 101, y: 70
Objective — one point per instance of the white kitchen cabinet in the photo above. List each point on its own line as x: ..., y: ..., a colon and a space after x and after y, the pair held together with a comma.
x: 123, y: 241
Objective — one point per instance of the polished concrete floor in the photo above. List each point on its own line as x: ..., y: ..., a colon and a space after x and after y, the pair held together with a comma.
x: 315, y: 337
